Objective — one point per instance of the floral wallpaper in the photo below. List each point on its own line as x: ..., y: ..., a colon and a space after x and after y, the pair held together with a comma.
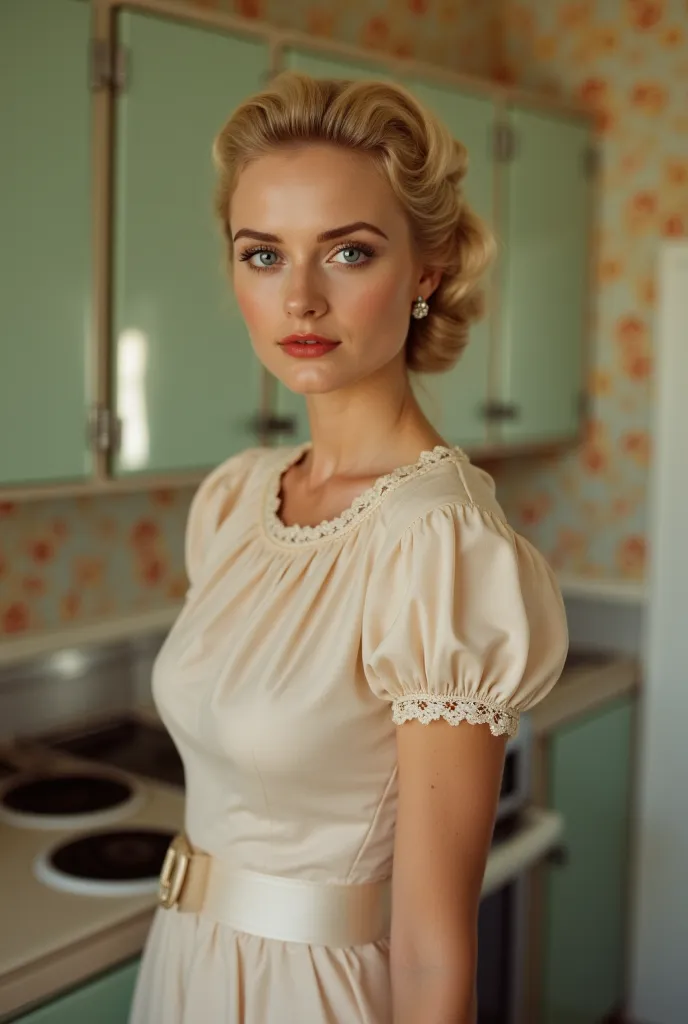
x: 81, y: 559
x: 453, y: 33
x: 77, y: 560
x: 628, y: 61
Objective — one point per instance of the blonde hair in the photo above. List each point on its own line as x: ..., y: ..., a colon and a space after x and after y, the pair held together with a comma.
x: 424, y: 165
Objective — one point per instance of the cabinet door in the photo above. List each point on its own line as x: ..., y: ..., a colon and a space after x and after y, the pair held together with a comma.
x: 454, y: 401
x: 585, y: 925
x: 45, y: 195
x: 545, y: 198
x: 186, y: 380
x: 106, y: 1000
x: 322, y: 65
x: 291, y: 406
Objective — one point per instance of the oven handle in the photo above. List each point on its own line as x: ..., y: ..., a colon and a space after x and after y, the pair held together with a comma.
x: 541, y: 834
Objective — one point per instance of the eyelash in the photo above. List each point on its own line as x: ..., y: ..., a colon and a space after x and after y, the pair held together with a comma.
x: 363, y: 247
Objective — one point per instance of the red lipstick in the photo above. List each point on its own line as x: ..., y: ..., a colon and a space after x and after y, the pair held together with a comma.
x: 307, y: 346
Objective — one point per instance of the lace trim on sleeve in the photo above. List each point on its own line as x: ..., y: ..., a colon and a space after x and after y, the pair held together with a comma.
x: 429, y: 708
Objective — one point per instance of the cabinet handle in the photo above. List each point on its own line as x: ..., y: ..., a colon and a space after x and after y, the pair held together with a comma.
x: 262, y: 426
x: 500, y: 411
x: 104, y: 429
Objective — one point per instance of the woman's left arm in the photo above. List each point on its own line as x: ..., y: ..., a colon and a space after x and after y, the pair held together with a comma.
x: 449, y: 782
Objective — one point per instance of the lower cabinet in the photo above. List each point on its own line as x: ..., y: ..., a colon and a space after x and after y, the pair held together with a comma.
x: 586, y: 900
x: 104, y: 1001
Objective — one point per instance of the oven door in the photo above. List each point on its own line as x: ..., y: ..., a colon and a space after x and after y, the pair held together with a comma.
x: 503, y: 909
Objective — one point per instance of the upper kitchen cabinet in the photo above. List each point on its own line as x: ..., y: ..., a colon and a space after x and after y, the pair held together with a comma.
x: 320, y: 64
x: 545, y: 198
x: 186, y: 384
x: 45, y: 258
x: 455, y: 401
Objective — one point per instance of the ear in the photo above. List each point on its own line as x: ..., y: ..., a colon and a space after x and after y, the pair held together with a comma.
x: 429, y: 281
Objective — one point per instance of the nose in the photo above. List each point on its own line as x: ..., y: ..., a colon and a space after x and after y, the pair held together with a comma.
x: 304, y: 298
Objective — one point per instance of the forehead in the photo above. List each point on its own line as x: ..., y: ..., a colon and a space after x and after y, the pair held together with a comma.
x: 310, y: 187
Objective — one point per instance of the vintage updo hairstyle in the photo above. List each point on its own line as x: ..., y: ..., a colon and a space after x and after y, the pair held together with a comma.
x: 424, y: 165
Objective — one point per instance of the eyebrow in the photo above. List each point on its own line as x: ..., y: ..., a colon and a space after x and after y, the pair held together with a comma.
x: 326, y: 236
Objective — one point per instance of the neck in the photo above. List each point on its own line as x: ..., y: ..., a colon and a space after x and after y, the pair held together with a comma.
x: 368, y: 428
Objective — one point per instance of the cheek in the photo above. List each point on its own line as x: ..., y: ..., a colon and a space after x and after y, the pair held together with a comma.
x: 379, y: 302
x: 252, y: 304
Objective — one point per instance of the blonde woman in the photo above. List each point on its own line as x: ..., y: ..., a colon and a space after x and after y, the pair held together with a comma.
x: 362, y: 628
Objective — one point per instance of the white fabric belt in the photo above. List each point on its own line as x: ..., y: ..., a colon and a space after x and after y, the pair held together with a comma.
x: 273, y: 907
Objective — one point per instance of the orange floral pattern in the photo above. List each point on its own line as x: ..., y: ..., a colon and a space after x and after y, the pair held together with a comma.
x: 68, y: 561
x: 632, y: 73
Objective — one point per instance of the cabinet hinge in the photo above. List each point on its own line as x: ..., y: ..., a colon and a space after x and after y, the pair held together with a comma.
x: 104, y: 430
x: 591, y: 161
x: 109, y: 66
x: 504, y: 146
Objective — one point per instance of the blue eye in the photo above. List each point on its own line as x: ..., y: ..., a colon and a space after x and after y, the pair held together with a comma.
x: 351, y: 255
x: 264, y: 258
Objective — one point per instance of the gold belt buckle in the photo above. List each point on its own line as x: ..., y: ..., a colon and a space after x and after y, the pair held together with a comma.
x: 174, y: 871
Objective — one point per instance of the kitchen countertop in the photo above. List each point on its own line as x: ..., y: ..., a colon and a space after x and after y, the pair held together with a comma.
x: 588, y: 682
x: 57, y: 940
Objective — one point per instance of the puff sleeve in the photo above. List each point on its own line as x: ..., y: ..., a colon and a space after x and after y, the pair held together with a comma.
x: 211, y: 503
x: 463, y: 620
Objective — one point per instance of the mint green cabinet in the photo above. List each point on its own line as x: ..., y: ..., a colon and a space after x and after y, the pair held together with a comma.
x: 106, y: 1000
x: 182, y: 376
x: 185, y: 379
x: 587, y: 898
x: 45, y: 257
x: 320, y: 64
x: 455, y: 401
x: 545, y: 230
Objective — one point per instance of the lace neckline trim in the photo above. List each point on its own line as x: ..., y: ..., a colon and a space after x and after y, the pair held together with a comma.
x: 360, y: 507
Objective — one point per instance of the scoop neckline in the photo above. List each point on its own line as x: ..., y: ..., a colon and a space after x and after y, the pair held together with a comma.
x: 359, y: 509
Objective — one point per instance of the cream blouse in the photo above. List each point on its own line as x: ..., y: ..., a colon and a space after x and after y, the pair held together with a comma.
x: 440, y: 607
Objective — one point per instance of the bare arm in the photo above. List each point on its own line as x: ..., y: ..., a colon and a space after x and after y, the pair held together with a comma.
x: 449, y: 780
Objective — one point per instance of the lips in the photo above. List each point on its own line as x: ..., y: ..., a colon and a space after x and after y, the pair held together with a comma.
x: 307, y: 346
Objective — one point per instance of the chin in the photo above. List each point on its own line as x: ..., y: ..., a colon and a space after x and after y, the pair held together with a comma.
x: 311, y: 380
x: 310, y: 387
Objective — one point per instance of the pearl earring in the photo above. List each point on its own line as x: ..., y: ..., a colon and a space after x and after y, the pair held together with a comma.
x: 420, y: 308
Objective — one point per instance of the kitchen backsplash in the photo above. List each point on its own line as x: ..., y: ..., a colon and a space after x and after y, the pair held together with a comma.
x: 78, y: 560
x: 628, y: 59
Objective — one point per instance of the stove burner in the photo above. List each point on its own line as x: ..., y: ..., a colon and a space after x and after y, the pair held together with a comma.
x: 112, y: 862
x: 66, y: 800
x: 129, y: 744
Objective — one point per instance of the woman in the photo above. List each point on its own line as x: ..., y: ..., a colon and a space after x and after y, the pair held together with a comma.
x: 362, y: 628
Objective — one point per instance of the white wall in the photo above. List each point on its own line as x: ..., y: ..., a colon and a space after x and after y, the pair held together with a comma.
x: 660, y: 936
